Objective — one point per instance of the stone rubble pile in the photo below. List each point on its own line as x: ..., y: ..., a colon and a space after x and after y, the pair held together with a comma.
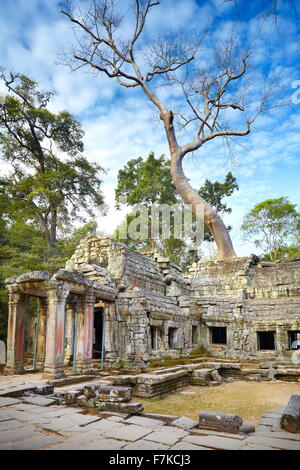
x: 104, y: 398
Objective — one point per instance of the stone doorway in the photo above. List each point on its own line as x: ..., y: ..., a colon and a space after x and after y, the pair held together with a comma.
x: 98, y: 332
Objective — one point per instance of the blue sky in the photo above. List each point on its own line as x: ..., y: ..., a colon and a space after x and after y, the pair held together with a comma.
x: 119, y: 123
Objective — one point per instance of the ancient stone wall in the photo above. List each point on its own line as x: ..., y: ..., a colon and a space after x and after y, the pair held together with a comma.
x: 248, y: 297
x: 245, y: 278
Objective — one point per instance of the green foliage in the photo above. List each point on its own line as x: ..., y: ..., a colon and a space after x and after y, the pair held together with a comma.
x: 213, y: 193
x: 149, y: 182
x: 23, y: 248
x: 146, y: 182
x: 272, y: 225
x: 50, y: 182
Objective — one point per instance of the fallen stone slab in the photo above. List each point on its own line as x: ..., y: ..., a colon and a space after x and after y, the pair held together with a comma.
x: 10, y: 424
x: 123, y: 379
x: 131, y: 407
x: 290, y: 420
x: 143, y: 421
x: 71, y: 379
x: 18, y: 391
x: 19, y: 434
x: 202, y: 432
x: 94, y: 443
x: 203, y: 373
x: 167, y: 435
x: 247, y: 428
x: 7, y: 401
x: 40, y: 400
x: 108, y: 393
x: 38, y: 441
x: 283, y: 444
x: 258, y: 447
x: 131, y: 432
x: 45, y: 390
x: 215, y: 442
x: 70, y: 397
x: 279, y: 435
x: 183, y: 445
x: 216, y: 376
x: 218, y: 421
x: 184, y: 423
x: 166, y: 418
x: 270, y: 421
x: 142, y: 444
x: 109, y: 414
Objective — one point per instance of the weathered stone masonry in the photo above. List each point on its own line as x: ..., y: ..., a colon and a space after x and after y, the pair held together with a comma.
x: 127, y: 308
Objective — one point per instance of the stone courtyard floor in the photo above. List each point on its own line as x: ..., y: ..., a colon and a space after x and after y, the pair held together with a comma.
x: 31, y: 427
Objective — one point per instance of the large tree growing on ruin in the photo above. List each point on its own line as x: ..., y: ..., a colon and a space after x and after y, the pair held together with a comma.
x: 48, y: 181
x: 211, y: 84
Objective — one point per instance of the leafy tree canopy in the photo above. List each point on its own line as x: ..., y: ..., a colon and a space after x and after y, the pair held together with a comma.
x: 272, y: 225
x: 146, y: 182
x: 50, y: 182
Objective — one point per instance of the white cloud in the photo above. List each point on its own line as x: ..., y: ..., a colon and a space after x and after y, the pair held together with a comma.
x: 119, y: 123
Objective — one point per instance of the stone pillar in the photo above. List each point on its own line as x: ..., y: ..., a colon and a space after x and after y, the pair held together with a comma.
x: 54, y: 360
x: 16, y: 332
x: 42, y: 328
x: 85, y: 321
x: 69, y: 339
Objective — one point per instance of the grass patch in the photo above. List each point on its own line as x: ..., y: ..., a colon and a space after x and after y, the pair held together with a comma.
x: 246, y: 399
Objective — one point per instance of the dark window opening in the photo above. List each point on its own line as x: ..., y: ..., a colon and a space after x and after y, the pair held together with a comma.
x: 97, y: 333
x: 195, y: 336
x: 155, y: 336
x: 294, y: 339
x: 218, y: 335
x: 266, y: 340
x: 173, y: 338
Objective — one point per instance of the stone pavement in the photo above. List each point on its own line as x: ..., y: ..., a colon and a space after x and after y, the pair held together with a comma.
x: 57, y: 427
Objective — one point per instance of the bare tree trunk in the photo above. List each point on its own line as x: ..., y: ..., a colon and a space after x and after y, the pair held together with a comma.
x: 210, y: 217
x: 189, y: 196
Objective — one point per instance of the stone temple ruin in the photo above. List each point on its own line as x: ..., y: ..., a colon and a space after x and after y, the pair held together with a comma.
x: 121, y: 309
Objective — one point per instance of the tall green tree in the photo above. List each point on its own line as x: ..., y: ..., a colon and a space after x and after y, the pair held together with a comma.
x: 49, y: 182
x: 272, y: 225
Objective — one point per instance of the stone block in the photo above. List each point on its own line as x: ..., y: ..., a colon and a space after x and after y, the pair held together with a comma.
x: 142, y: 444
x: 215, y: 442
x: 129, y: 433
x: 218, y: 421
x: 167, y: 435
x: 40, y: 400
x: 131, y: 407
x: 82, y: 400
x: 166, y: 418
x: 184, y: 423
x: 7, y: 401
x: 269, y: 441
x: 290, y: 420
x: 70, y: 397
x: 44, y: 389
x: 108, y: 393
x: 216, y: 376
x: 146, y: 422
x: 247, y: 428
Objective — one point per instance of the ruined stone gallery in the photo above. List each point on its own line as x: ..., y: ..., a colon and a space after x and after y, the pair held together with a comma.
x: 114, y: 307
